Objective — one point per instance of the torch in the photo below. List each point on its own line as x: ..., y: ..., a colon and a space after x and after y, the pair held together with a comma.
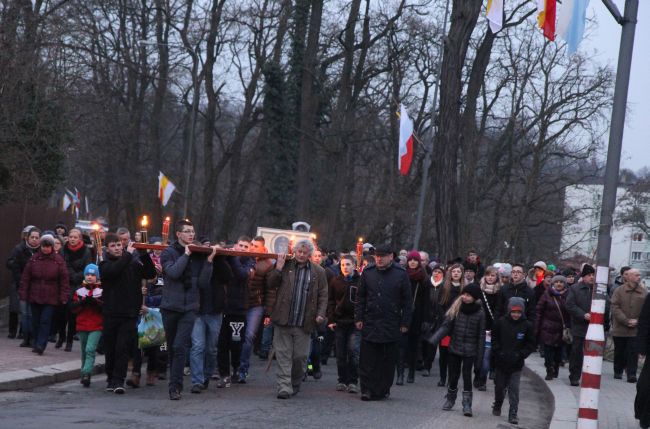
x: 359, y: 253
x: 165, y: 229
x: 313, y: 241
x: 291, y: 241
x: 143, y: 232
x: 98, y: 241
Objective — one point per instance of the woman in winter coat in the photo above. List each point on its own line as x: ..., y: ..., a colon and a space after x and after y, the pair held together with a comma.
x: 451, y: 288
x: 433, y: 317
x: 44, y: 285
x: 465, y: 322
x: 552, y: 317
x: 490, y: 288
x: 410, y: 341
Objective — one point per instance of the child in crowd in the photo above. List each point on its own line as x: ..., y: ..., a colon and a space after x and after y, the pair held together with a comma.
x: 513, y: 340
x: 86, y: 303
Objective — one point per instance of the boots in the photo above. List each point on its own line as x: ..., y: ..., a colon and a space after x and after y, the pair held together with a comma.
x: 27, y: 341
x: 151, y: 378
x: 556, y: 371
x: 496, y: 408
x: 85, y: 380
x: 13, y: 325
x: 550, y: 374
x: 400, y: 374
x: 467, y: 404
x: 442, y: 382
x: 134, y: 381
x: 512, y: 416
x: 411, y: 376
x: 451, y: 399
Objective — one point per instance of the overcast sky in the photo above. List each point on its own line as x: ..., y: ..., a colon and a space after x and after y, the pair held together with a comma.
x: 605, y: 41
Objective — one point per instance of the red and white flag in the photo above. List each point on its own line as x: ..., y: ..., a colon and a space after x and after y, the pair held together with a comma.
x: 405, y: 155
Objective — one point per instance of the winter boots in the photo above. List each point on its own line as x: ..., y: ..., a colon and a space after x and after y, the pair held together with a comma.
x: 467, y: 404
x: 496, y: 408
x: 411, y: 376
x: 550, y: 374
x: 400, y: 373
x: 512, y: 416
x: 451, y: 399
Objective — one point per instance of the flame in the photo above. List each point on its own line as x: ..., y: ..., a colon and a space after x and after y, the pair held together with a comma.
x: 293, y: 237
x: 95, y: 227
x: 168, y: 219
x: 145, y: 221
x: 313, y: 236
x: 360, y: 239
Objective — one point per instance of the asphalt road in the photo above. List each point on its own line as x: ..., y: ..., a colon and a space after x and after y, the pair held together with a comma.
x: 254, y: 405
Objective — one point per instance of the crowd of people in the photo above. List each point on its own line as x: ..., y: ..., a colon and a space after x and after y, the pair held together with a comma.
x: 385, y: 314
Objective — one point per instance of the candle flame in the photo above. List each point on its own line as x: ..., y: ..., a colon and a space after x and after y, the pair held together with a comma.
x: 145, y: 221
x: 360, y: 239
x: 168, y: 219
x: 313, y: 236
x: 95, y: 227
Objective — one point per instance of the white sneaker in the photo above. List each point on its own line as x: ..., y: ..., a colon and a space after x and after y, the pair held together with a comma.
x: 341, y: 387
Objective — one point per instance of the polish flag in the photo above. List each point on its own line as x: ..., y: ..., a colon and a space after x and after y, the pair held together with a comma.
x: 405, y: 155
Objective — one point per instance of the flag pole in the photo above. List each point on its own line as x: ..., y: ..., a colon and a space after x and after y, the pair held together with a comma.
x: 427, y: 156
x: 595, y: 339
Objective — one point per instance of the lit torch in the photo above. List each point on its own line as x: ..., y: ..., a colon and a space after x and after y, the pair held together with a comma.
x: 143, y: 232
x: 291, y: 242
x: 98, y: 241
x: 359, y: 254
x: 165, y: 229
x: 313, y: 241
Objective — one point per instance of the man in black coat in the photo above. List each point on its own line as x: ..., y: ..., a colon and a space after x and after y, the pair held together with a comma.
x: 578, y: 304
x: 382, y: 313
x: 517, y: 287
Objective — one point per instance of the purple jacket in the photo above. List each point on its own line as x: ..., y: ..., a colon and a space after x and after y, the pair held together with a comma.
x: 548, y: 324
x: 45, y: 280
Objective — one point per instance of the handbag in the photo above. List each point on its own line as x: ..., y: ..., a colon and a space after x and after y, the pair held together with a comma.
x: 566, y: 332
x: 151, y: 332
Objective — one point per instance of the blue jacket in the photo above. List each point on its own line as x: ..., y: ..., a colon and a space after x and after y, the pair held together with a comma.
x: 183, y: 276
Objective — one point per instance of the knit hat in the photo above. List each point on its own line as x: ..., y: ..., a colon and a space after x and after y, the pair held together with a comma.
x: 540, y: 264
x: 568, y: 272
x: 28, y: 228
x: 558, y: 278
x: 516, y: 303
x: 47, y: 240
x: 586, y: 270
x: 470, y: 267
x: 438, y: 267
x: 473, y: 290
x: 414, y: 254
x: 91, y: 269
x: 552, y: 267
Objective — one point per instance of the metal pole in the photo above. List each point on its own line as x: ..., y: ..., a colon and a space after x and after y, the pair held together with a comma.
x: 427, y: 157
x: 595, y: 338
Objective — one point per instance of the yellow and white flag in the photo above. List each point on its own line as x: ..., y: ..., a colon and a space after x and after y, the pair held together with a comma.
x: 495, y: 15
x: 165, y: 189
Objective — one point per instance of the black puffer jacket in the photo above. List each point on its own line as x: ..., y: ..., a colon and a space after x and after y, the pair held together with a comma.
x: 467, y: 331
x: 490, y: 302
x: 76, y: 261
x: 520, y: 290
x: 341, y: 297
x: 122, y: 283
x: 512, y: 342
x: 384, y: 303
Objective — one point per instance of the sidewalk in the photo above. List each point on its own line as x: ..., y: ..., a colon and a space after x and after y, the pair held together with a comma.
x: 22, y: 369
x: 615, y: 404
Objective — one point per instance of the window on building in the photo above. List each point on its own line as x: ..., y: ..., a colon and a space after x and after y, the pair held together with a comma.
x: 636, y: 256
x: 594, y: 233
x: 637, y: 236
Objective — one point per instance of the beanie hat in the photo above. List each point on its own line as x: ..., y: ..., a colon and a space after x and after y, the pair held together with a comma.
x: 47, y: 240
x: 552, y: 267
x: 586, y: 270
x: 568, y: 273
x: 438, y: 267
x: 91, y: 269
x: 516, y: 303
x: 558, y: 278
x: 414, y: 254
x: 470, y: 267
x: 473, y: 290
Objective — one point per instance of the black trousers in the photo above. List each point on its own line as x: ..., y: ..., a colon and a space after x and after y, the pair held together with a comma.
x: 455, y: 364
x: 64, y: 323
x: 178, y: 333
x: 509, y: 380
x: 377, y: 367
x: 231, y: 340
x: 552, y: 356
x: 625, y: 356
x: 152, y: 359
x: 119, y: 334
x: 576, y: 358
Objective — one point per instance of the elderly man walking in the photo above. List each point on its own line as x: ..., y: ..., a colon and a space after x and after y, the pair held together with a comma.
x: 300, y: 305
x: 626, y: 305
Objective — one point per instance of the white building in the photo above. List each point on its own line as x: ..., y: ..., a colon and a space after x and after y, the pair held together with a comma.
x: 630, y: 245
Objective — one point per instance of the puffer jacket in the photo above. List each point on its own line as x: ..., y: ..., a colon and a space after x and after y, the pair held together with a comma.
x: 520, y: 290
x: 45, y: 280
x: 512, y: 342
x: 341, y: 297
x: 76, y: 261
x: 467, y: 331
x: 384, y: 303
x: 257, y: 289
x: 548, y: 323
x: 122, y: 283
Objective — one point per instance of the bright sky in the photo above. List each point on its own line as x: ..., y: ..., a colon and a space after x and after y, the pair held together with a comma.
x: 605, y: 40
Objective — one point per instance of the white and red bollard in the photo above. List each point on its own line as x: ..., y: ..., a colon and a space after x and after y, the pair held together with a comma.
x: 594, y: 348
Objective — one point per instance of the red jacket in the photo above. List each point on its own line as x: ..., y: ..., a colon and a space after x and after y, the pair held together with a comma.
x: 45, y: 280
x: 87, y: 303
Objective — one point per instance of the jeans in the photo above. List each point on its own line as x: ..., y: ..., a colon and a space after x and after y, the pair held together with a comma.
x: 507, y: 380
x: 267, y: 340
x: 203, y: 356
x: 347, y: 353
x: 625, y: 356
x: 89, y: 341
x: 253, y: 320
x: 41, y: 316
x: 455, y: 363
x: 485, y: 367
x: 25, y: 319
x: 119, y: 335
x: 178, y: 331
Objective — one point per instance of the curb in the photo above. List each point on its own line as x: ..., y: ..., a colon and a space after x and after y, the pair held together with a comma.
x: 25, y: 379
x: 565, y: 414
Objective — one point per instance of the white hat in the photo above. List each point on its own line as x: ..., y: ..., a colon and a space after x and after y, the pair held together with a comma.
x: 540, y: 264
x: 368, y: 246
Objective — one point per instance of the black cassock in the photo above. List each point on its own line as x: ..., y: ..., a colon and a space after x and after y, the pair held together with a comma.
x: 642, y: 400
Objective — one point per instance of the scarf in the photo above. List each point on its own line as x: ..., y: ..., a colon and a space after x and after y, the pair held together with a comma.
x: 415, y: 274
x: 437, y: 284
x: 77, y: 247
x: 470, y: 308
x: 489, y: 288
